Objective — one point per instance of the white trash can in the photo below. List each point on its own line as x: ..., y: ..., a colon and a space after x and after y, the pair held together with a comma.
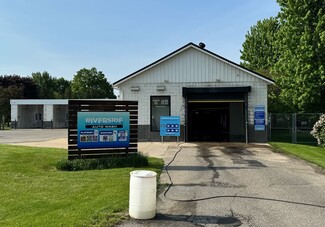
x: 143, y: 190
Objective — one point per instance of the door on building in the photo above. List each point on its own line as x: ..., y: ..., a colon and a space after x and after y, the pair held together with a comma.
x: 216, y: 114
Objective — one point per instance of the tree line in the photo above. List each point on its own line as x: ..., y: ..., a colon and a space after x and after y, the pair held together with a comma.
x: 86, y: 84
x: 290, y: 49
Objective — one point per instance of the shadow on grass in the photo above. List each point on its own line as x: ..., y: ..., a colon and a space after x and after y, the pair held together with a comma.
x: 133, y: 160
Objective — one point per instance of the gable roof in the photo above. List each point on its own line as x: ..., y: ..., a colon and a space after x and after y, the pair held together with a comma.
x: 192, y: 45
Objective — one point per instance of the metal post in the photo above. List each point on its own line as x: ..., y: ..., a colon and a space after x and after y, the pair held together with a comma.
x: 270, y: 126
x: 3, y: 121
x: 246, y: 118
x: 186, y: 122
x: 294, y: 128
x: 246, y: 132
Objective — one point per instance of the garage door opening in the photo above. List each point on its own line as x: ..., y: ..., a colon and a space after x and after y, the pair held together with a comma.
x: 30, y: 116
x: 215, y: 121
x: 216, y: 114
x: 208, y: 121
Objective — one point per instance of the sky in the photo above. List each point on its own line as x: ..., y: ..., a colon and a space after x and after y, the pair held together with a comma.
x: 121, y: 36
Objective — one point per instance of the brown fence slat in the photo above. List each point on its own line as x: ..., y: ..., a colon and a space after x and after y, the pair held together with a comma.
x: 72, y: 157
x: 90, y: 152
x: 75, y: 146
x: 106, y: 108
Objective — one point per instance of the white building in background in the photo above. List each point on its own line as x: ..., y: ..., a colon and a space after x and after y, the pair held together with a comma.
x: 214, y: 97
x: 39, y: 113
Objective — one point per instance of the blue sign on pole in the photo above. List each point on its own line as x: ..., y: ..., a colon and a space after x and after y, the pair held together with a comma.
x: 170, y: 126
x: 103, y: 129
x: 259, y: 118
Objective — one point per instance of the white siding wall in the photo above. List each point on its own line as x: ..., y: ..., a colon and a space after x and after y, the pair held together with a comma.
x: 194, y: 66
x: 202, y: 70
x: 14, y: 112
x: 48, y: 112
x: 258, y: 96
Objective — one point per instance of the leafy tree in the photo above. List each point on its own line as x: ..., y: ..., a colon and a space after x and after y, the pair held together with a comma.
x: 68, y: 92
x: 26, y: 85
x: 260, y: 54
x: 62, y: 88
x: 49, y: 87
x: 301, y: 41
x: 45, y: 85
x: 259, y: 50
x: 7, y: 93
x: 15, y: 87
x: 291, y: 50
x: 90, y: 83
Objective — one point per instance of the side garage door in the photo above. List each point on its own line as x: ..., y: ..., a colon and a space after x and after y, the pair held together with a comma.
x: 216, y: 114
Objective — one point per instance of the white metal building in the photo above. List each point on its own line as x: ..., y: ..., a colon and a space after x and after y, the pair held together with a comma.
x: 214, y: 97
x: 39, y: 113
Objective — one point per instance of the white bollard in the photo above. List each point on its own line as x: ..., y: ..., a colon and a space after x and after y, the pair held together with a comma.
x: 143, y: 190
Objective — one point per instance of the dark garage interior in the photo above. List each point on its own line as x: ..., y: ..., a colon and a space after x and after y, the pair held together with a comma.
x: 216, y: 114
x: 216, y: 121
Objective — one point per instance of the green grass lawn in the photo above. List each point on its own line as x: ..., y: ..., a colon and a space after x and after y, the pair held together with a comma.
x: 312, y: 154
x: 34, y: 193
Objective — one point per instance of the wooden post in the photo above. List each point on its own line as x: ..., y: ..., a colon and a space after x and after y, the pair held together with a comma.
x: 3, y: 122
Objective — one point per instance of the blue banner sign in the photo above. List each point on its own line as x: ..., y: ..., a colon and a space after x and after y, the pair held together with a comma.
x: 170, y: 126
x: 259, y: 118
x: 103, y: 129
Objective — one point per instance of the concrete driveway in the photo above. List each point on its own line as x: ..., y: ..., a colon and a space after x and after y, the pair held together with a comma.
x: 220, y: 184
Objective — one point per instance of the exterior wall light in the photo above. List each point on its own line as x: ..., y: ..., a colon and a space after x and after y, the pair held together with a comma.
x: 160, y: 87
x: 135, y: 88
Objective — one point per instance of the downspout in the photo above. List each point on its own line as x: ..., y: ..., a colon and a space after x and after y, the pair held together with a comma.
x: 186, y: 121
x: 246, y: 118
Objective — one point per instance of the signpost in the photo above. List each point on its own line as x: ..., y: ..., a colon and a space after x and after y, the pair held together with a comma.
x: 103, y: 129
x: 259, y: 118
x: 170, y: 126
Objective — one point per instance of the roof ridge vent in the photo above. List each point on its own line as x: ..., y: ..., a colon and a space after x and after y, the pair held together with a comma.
x: 201, y: 45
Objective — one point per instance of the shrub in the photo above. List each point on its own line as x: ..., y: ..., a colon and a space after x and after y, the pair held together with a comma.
x: 132, y: 160
x: 319, y: 131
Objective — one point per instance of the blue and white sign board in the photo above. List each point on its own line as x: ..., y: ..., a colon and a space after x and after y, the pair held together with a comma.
x: 170, y: 126
x: 259, y: 118
x: 103, y: 129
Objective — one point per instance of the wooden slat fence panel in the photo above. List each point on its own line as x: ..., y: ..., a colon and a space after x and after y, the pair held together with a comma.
x: 75, y: 106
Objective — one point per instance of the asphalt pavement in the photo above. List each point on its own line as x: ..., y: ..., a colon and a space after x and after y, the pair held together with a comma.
x: 232, y: 184
x: 19, y: 136
x: 219, y: 184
